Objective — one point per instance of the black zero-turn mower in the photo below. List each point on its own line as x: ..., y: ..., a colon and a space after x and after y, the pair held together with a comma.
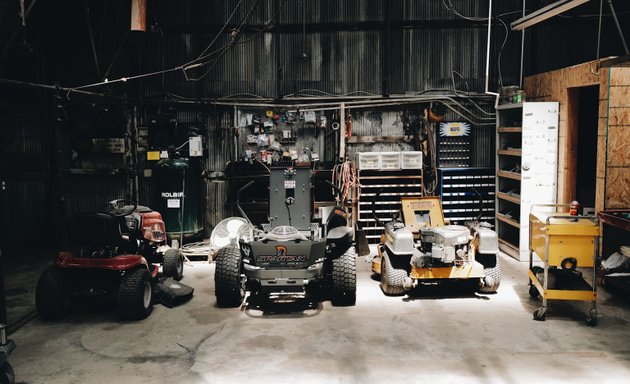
x: 290, y: 256
x: 114, y: 252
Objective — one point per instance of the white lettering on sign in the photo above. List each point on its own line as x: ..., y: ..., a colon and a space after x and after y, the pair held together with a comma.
x: 289, y: 184
x: 454, y: 129
x: 172, y: 194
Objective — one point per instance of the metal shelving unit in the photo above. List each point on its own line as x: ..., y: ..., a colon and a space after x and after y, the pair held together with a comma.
x: 460, y: 202
x: 526, y: 169
x: 392, y: 184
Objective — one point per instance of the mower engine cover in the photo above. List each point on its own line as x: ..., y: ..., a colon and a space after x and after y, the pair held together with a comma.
x: 446, y: 235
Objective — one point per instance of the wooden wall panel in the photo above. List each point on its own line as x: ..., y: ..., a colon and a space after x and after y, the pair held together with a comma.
x: 601, y: 160
x: 617, y: 187
x: 619, y: 76
x: 620, y: 115
x: 599, y: 194
x: 619, y: 96
x: 617, y: 183
x: 619, y: 146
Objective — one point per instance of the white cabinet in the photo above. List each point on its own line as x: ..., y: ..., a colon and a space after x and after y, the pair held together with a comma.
x: 527, y: 158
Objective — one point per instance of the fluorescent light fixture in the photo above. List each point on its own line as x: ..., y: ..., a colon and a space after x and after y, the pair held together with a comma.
x: 545, y: 13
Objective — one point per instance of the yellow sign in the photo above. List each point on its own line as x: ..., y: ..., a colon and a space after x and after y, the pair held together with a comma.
x: 454, y: 129
x: 153, y: 155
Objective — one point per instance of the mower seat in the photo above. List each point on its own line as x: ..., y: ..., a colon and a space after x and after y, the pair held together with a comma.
x: 98, y: 230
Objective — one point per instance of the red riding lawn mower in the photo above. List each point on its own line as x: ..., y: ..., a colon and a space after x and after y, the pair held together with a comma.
x: 114, y: 252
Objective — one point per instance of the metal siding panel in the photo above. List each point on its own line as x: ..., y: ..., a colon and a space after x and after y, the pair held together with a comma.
x: 216, y: 197
x: 25, y: 202
x: 425, y: 59
x: 246, y: 69
x: 88, y: 193
x: 339, y: 63
x: 331, y: 11
x: 220, y: 145
x: 483, y: 144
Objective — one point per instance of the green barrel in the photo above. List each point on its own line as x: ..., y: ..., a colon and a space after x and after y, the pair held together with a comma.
x: 178, y: 186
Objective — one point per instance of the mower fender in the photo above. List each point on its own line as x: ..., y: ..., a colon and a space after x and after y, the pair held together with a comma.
x: 339, y: 239
x: 488, y: 241
x: 118, y: 263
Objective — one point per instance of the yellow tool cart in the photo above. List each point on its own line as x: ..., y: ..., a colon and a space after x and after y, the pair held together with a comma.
x: 563, y: 242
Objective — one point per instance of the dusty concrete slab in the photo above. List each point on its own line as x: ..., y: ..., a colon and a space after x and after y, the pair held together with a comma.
x: 435, y: 336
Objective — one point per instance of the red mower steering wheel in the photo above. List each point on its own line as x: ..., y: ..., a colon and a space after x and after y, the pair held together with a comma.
x: 120, y: 207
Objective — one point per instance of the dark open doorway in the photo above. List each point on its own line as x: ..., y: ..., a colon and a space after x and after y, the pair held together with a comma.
x: 582, y: 143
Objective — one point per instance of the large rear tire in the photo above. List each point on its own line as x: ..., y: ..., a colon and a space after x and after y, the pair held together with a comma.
x: 491, y: 276
x: 392, y: 279
x: 173, y: 265
x: 135, y: 294
x: 7, y: 376
x: 52, y: 295
x: 227, y: 279
x: 344, y: 279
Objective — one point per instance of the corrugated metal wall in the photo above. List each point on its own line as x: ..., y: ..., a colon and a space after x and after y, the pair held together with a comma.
x: 24, y: 177
x: 89, y: 193
x: 328, y: 47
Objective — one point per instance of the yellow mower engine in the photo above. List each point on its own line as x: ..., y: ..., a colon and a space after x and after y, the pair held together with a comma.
x: 423, y: 250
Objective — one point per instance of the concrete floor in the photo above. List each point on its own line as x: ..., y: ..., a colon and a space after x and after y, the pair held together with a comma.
x: 440, y: 336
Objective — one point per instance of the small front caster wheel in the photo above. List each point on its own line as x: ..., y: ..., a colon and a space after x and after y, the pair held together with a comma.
x: 533, y: 292
x: 540, y: 314
x: 591, y: 320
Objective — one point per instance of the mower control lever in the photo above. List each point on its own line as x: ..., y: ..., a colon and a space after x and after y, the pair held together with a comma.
x: 337, y: 190
x: 238, y: 200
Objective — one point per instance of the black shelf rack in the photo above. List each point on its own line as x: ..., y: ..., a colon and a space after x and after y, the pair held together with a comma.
x: 460, y: 189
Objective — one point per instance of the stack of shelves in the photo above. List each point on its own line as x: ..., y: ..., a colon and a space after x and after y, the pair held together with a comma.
x: 527, y: 147
x: 461, y: 190
x: 454, y: 145
x: 392, y: 184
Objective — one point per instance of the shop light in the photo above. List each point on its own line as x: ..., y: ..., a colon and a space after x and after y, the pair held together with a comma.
x: 545, y: 13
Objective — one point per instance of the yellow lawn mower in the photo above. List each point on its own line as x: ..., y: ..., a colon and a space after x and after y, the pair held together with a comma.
x: 424, y: 250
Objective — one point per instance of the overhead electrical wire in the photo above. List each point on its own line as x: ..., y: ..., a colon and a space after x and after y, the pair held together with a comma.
x: 221, y: 30
x: 262, y: 30
x: 449, y: 6
x: 234, y: 35
x: 297, y: 93
x: 198, y: 62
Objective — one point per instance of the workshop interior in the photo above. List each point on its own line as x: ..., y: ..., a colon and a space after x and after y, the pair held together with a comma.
x: 162, y: 158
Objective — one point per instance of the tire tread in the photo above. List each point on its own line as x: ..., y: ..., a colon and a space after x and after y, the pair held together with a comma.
x: 344, y: 279
x: 227, y: 284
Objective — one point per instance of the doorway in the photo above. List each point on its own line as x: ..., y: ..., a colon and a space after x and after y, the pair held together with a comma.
x: 583, y: 116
